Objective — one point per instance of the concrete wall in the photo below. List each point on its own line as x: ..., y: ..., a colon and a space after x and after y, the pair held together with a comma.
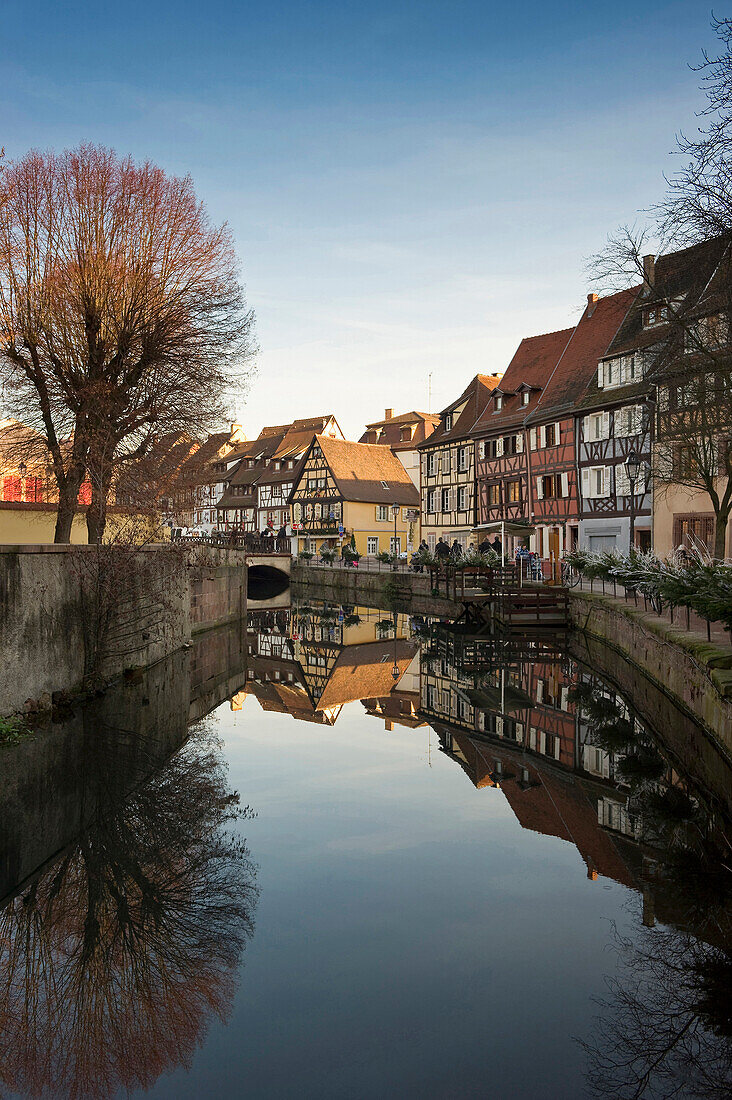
x: 696, y: 675
x: 164, y: 596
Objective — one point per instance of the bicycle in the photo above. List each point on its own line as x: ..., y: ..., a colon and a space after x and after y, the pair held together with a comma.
x: 571, y: 575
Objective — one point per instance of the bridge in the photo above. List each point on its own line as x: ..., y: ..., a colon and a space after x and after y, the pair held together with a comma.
x: 268, y: 560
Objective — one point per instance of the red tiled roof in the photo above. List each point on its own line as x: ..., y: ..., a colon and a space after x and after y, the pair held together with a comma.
x: 577, y: 364
x: 531, y: 366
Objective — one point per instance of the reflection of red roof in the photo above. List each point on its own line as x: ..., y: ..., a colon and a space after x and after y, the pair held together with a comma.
x: 364, y: 672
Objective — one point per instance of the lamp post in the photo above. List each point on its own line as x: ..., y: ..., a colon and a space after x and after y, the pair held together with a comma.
x: 22, y: 470
x: 632, y: 469
x: 395, y: 513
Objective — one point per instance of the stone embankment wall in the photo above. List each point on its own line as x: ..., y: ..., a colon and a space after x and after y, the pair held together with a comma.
x: 695, y: 674
x: 369, y: 589
x: 157, y: 598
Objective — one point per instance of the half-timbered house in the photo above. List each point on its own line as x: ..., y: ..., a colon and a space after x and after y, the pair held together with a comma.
x: 353, y: 491
x: 616, y: 414
x: 263, y: 471
x: 554, y: 494
x: 448, y: 467
x: 503, y: 488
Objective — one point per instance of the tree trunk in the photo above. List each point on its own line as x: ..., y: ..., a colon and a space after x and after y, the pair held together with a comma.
x: 720, y: 534
x: 68, y: 505
x: 96, y: 513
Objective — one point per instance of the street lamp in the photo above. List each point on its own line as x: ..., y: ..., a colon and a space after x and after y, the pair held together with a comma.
x: 395, y: 667
x: 22, y: 470
x: 395, y: 512
x: 632, y: 469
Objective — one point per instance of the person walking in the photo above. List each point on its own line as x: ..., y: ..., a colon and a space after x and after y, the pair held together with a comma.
x: 456, y: 551
x: 442, y: 549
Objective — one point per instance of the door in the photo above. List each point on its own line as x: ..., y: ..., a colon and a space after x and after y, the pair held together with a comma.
x: 554, y: 552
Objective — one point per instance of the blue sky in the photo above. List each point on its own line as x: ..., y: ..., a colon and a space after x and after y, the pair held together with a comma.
x: 412, y: 186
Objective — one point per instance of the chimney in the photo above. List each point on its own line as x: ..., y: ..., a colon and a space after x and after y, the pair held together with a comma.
x: 388, y: 413
x: 649, y: 270
x: 591, y: 303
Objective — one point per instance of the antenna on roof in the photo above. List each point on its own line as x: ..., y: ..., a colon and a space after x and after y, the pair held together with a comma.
x: 429, y: 392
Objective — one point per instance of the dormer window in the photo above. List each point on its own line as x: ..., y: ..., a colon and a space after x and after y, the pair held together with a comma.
x: 656, y: 315
x: 448, y: 422
x: 499, y: 402
x: 385, y: 485
x: 525, y: 397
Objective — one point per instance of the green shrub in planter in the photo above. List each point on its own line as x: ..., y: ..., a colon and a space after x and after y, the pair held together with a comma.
x: 305, y: 555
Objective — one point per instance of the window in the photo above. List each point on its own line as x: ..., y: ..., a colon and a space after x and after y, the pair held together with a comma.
x: 462, y: 498
x: 684, y: 465
x: 445, y: 500
x: 694, y: 530
x: 384, y: 485
x: 510, y: 445
x: 499, y: 402
x: 628, y: 420
x: 448, y: 422
x: 596, y: 426
x: 656, y: 315
x: 445, y: 462
x: 372, y: 545
x: 382, y: 512
x: 315, y: 483
x: 431, y: 464
x: 462, y: 459
x: 595, y: 482
x: 395, y: 544
x: 525, y: 397
x: 431, y: 500
x: 513, y: 492
x: 708, y: 333
x: 550, y: 433
x: 494, y: 494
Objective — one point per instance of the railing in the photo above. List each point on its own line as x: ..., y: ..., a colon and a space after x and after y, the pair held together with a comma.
x: 239, y: 540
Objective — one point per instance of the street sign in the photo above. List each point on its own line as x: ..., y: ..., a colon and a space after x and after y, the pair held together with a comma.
x: 341, y: 530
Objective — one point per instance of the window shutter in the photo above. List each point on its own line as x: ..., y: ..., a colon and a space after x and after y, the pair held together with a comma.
x: 539, y: 489
x: 605, y: 425
x: 499, y: 446
x: 542, y: 436
x: 532, y: 439
x: 601, y: 376
x: 557, y: 433
x: 585, y: 428
x: 520, y: 443
x: 564, y: 478
x: 606, y: 481
x: 585, y: 481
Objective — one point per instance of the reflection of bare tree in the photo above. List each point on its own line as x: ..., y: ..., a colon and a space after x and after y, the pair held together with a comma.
x: 665, y: 1026
x: 114, y: 961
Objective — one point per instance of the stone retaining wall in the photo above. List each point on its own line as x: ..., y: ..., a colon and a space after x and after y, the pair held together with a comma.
x: 166, y: 595
x: 697, y: 675
x: 369, y: 589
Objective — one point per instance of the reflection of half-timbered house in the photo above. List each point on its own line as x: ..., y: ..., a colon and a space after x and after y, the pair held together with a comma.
x: 501, y: 439
x: 448, y: 467
x: 353, y: 491
x: 555, y: 505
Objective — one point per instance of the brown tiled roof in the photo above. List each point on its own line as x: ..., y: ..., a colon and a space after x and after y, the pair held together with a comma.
x: 360, y: 468
x: 364, y: 672
x: 475, y: 397
x: 198, y: 467
x: 389, y: 431
x: 533, y: 362
x: 577, y: 364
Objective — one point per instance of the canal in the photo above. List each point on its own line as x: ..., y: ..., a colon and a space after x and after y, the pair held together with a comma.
x: 346, y: 852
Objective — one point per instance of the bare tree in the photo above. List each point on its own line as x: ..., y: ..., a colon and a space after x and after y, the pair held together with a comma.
x: 121, y: 314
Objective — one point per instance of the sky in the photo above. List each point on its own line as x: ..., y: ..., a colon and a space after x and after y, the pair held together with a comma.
x: 412, y: 186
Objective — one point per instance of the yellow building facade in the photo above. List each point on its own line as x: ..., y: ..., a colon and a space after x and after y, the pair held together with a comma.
x: 354, y: 492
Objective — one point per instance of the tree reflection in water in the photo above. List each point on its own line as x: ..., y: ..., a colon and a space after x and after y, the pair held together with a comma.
x: 114, y: 961
x: 665, y: 1024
